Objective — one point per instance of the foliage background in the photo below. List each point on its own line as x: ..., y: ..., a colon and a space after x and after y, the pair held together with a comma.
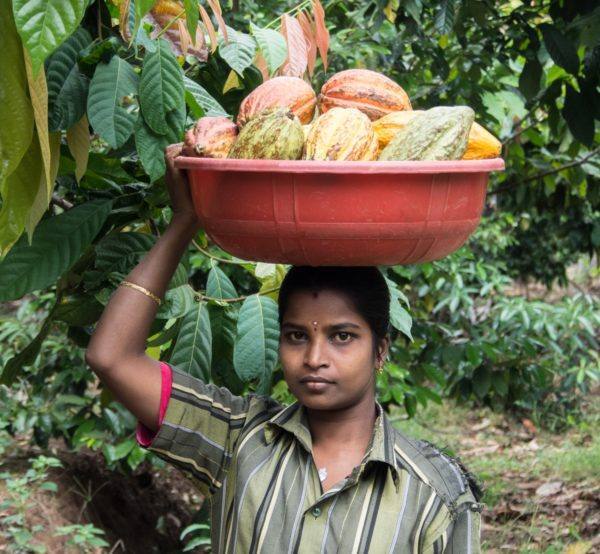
x: 90, y: 101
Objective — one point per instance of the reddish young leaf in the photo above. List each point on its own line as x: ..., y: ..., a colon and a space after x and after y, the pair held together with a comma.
x: 322, y: 33
x: 308, y: 29
x: 261, y: 64
x: 216, y: 9
x: 297, y: 59
x: 210, y: 28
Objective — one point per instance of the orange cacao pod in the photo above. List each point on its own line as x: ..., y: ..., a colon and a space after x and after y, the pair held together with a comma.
x: 210, y: 137
x: 285, y: 92
x: 370, y: 92
x: 341, y: 134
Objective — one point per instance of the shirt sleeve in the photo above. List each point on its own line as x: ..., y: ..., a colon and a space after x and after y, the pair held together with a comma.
x: 199, y: 431
x: 463, y: 535
x: 144, y: 435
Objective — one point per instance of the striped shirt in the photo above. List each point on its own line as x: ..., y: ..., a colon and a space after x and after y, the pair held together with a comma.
x: 252, y: 458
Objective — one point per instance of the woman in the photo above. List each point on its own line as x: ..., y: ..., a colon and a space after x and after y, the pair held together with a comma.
x: 326, y: 474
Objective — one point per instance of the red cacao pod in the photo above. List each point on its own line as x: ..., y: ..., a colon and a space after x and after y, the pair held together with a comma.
x: 210, y: 137
x: 370, y: 92
x: 285, y: 92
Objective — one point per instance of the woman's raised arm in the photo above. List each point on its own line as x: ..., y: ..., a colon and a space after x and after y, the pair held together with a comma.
x: 116, y: 351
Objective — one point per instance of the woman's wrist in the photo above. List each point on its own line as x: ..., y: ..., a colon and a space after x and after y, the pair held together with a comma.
x: 186, y: 223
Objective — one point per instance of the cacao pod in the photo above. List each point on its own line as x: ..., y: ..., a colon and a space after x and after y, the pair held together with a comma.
x: 481, y: 144
x: 285, y: 92
x: 210, y: 137
x: 341, y: 134
x: 440, y: 133
x: 270, y: 135
x: 370, y: 92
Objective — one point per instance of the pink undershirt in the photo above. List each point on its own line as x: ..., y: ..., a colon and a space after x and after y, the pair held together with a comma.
x: 144, y: 435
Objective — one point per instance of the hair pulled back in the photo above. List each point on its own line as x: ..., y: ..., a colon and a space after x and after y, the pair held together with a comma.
x: 365, y: 287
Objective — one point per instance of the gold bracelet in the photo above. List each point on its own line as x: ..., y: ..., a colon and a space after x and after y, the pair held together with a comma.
x: 143, y: 291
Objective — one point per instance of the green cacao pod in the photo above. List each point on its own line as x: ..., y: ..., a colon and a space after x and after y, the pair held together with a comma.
x: 270, y: 135
x: 441, y: 133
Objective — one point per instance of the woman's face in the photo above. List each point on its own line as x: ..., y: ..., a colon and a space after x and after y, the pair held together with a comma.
x: 324, y: 338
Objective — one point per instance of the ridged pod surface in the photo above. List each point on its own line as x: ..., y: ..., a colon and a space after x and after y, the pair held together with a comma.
x: 341, y: 134
x: 280, y: 92
x: 481, y: 144
x: 440, y: 133
x: 370, y: 92
x: 271, y: 135
x: 210, y: 137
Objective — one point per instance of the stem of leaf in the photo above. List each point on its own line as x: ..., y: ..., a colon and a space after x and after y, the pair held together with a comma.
x: 294, y: 10
x: 216, y: 258
x: 168, y: 25
x: 202, y: 297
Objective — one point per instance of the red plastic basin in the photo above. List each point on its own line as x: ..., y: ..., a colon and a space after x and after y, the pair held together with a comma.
x: 338, y: 213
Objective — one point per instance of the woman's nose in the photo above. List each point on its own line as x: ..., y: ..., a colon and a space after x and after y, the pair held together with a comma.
x: 315, y: 355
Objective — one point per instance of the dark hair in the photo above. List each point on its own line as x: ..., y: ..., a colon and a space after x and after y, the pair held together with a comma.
x: 365, y: 287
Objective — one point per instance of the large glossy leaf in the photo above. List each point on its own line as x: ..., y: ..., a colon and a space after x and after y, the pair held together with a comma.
x: 444, y: 18
x: 45, y: 24
x: 200, y: 101
x: 272, y: 45
x: 399, y: 316
x: 219, y: 285
x: 67, y: 86
x: 238, y: 51
x: 151, y: 146
x: 78, y: 141
x: 161, y: 88
x: 192, y: 15
x: 57, y: 243
x: 530, y: 78
x: 178, y: 302
x: 223, y: 323
x: 193, y: 348
x: 579, y: 121
x: 78, y: 310
x: 18, y: 193
x: 321, y: 32
x: 257, y: 339
x: 561, y: 49
x: 16, y: 114
x: 110, y: 100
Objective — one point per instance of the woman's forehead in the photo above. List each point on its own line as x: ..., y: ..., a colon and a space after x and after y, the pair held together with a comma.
x: 324, y: 305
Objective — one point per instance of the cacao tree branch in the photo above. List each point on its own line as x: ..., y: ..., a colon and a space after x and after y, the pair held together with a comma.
x: 60, y: 202
x: 202, y: 297
x: 543, y: 174
x: 216, y: 258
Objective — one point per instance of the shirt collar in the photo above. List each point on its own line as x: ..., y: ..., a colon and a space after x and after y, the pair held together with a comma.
x: 293, y: 419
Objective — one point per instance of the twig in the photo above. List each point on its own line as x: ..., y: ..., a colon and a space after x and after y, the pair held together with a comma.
x: 209, y: 255
x: 201, y: 296
x: 297, y: 8
x: 522, y: 130
x: 543, y: 174
x: 166, y: 27
x: 60, y: 202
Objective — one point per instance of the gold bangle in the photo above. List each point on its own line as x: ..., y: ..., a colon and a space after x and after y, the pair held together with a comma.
x: 142, y: 290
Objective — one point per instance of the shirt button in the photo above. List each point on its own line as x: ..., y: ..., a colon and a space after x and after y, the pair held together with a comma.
x: 316, y: 512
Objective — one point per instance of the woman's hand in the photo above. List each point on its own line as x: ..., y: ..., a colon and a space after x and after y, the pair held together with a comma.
x: 178, y: 187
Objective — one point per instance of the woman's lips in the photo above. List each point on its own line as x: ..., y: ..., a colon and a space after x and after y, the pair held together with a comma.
x: 316, y: 386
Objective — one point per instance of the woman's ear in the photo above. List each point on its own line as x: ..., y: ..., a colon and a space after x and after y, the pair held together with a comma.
x: 383, y: 349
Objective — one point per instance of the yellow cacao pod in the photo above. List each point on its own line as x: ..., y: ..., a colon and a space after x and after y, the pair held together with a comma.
x: 341, y: 134
x: 481, y: 143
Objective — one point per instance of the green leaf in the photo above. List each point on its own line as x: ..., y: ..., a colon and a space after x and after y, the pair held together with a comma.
x: 45, y: 24
x: 200, y: 101
x: 193, y: 348
x: 414, y: 8
x: 178, y: 302
x: 223, y: 324
x: 257, y: 338
x: 560, y: 48
x: 27, y: 356
x: 482, y: 381
x: 110, y: 101
x: 399, y: 317
x: 161, y: 88
x: 67, y: 86
x: 530, y: 78
x: 444, y: 18
x: 16, y: 114
x: 219, y: 285
x: 120, y: 252
x: 151, y: 146
x: 141, y: 7
x: 18, y: 194
x: 78, y: 311
x: 580, y: 124
x: 191, y: 16
x: 272, y: 45
x: 57, y: 243
x: 238, y: 52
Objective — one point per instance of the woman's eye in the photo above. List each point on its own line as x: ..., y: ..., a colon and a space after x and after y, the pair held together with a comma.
x: 296, y: 335
x: 344, y: 337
